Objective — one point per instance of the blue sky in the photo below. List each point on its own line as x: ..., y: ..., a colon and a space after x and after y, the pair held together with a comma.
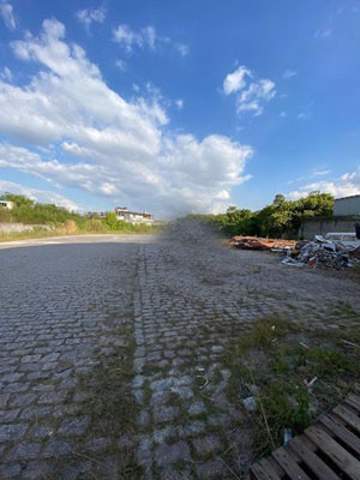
x: 179, y: 106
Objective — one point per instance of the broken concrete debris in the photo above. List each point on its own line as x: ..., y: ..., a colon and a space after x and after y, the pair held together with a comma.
x: 250, y: 404
x: 319, y: 252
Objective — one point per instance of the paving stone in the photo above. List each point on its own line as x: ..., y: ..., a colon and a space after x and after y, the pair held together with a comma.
x: 36, y: 470
x: 206, y: 445
x: 12, y: 377
x: 144, y: 451
x: 42, y: 431
x: 12, y: 432
x: 57, y: 448
x: 10, y: 470
x: 4, y: 398
x: 24, y: 451
x: 15, y: 387
x: 197, y: 408
x: 168, y: 454
x: 74, y: 426
x: 53, y: 397
x: 97, y: 444
x: 9, y: 416
x: 217, y: 348
x: 164, y: 434
x: 213, y: 469
x: 194, y: 428
x: 184, y: 392
x: 23, y: 399
x: 143, y: 419
x: 35, y: 412
x: 125, y: 441
x: 170, y: 473
x: 162, y: 384
x: 165, y: 414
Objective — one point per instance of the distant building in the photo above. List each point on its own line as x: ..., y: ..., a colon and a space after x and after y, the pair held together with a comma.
x: 347, y: 206
x: 7, y: 204
x: 345, y: 219
x: 122, y: 213
x: 96, y: 214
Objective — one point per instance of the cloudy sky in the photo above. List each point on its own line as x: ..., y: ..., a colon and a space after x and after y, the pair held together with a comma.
x: 182, y: 106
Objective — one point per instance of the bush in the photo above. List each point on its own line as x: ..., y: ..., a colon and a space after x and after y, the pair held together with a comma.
x: 70, y: 227
x: 282, y: 218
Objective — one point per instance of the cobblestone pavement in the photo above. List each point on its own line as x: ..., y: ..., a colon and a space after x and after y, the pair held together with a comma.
x: 60, y: 306
x: 183, y: 298
x: 193, y: 297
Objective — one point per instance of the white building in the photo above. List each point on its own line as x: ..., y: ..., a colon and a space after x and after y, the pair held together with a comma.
x: 122, y: 213
x: 7, y: 204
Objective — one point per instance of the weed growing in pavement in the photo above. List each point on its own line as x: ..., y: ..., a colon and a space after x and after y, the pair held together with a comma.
x: 113, y: 411
x: 293, y: 374
x: 344, y: 309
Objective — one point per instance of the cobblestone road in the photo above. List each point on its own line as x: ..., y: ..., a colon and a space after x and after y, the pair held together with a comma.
x: 61, y: 309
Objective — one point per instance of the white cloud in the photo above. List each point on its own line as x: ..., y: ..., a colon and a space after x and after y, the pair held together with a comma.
x: 6, y: 74
x: 255, y: 96
x: 236, y: 80
x: 146, y: 37
x: 251, y: 95
x: 179, y: 103
x: 43, y: 196
x: 182, y: 49
x: 303, y: 115
x: 128, y: 38
x: 323, y: 33
x: 321, y: 172
x: 289, y: 74
x: 87, y: 16
x: 121, y: 64
x: 347, y: 184
x: 110, y: 146
x: 7, y: 14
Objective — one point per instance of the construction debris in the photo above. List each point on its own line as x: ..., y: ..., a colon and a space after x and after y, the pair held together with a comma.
x: 250, y: 404
x: 258, y: 243
x: 321, y: 252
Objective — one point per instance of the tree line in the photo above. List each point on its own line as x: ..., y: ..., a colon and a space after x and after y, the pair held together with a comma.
x: 282, y: 218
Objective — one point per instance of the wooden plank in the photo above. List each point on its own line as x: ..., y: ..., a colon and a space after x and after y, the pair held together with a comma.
x: 338, y: 428
x: 348, y: 416
x: 321, y: 470
x: 354, y: 402
x: 272, y: 468
x: 343, y: 459
x: 260, y: 471
x: 291, y: 468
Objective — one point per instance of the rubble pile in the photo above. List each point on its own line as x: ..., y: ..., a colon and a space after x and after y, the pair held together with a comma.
x: 323, y: 253
x: 258, y: 243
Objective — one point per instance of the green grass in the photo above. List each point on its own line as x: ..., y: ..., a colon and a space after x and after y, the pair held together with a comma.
x: 344, y: 309
x: 272, y: 360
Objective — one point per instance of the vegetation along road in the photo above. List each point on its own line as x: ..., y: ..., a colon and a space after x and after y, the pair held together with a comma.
x: 167, y: 358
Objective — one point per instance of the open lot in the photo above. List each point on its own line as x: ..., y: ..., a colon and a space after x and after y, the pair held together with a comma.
x: 131, y: 358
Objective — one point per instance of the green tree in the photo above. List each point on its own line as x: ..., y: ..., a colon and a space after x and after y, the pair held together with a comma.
x: 19, y: 200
